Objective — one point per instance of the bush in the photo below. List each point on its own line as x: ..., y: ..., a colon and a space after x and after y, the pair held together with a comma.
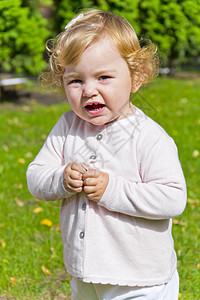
x: 65, y: 10
x: 173, y: 25
x: 22, y: 38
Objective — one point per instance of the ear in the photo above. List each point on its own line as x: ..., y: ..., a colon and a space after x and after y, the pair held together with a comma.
x: 135, y: 86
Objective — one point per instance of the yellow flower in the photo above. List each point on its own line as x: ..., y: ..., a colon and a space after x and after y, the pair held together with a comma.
x: 38, y: 210
x: 46, y: 222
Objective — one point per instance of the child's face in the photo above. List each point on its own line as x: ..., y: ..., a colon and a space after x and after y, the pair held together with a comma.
x: 98, y: 87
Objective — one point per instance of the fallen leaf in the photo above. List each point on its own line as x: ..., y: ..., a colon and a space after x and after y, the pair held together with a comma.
x: 198, y: 266
x: 193, y: 201
x: 19, y: 202
x: 184, y: 100
x: 46, y: 222
x: 21, y: 161
x: 56, y: 227
x: 18, y: 186
x: 33, y: 101
x: 28, y: 155
x: 10, y: 122
x: 195, y: 153
x: 3, y: 243
x: 44, y: 136
x: 26, y: 108
x: 37, y: 210
x: 15, y: 120
x: 52, y: 252
x: 5, y: 148
x: 176, y: 221
x: 12, y: 280
x: 62, y: 296
x: 45, y: 270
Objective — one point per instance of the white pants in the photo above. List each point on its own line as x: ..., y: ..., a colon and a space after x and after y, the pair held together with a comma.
x: 90, y: 291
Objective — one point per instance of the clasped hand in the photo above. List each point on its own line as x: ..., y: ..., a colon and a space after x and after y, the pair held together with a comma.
x: 92, y: 182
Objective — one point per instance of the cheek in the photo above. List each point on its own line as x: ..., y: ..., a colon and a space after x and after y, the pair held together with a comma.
x: 71, y: 95
x: 125, y: 89
x: 74, y: 100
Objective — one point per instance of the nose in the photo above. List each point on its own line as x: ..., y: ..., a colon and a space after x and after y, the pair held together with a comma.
x: 89, y: 89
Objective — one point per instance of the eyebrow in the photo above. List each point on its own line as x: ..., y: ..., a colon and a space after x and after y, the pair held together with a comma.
x: 105, y: 71
x: 100, y: 72
x: 70, y: 74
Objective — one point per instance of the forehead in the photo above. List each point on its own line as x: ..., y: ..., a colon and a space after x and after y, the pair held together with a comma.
x: 101, y: 54
x: 104, y: 46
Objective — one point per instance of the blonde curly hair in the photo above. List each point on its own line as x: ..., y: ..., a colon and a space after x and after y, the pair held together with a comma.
x: 89, y: 27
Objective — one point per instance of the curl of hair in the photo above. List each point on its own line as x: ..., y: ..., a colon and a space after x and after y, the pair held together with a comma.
x: 55, y: 70
x: 144, y: 63
x: 68, y: 46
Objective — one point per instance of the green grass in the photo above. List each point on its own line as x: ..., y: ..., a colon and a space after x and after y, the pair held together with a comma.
x: 26, y: 245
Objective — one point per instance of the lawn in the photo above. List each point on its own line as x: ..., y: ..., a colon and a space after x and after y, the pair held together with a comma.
x: 31, y: 264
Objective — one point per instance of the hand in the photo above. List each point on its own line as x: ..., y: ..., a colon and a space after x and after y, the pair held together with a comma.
x: 72, y: 177
x: 95, y: 183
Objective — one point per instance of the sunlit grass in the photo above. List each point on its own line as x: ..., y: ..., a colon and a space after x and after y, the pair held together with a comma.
x: 26, y: 245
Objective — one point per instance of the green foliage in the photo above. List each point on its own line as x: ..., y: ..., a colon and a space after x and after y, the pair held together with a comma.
x: 22, y: 38
x: 36, y: 5
x: 65, y: 10
x: 127, y: 9
x: 172, y: 24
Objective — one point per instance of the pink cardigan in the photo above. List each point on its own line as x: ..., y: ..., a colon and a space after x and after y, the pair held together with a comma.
x: 125, y: 238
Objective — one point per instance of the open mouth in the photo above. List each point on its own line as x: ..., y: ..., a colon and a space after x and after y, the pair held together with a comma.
x: 94, y: 107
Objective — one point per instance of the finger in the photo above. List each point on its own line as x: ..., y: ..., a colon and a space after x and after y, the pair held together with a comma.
x: 93, y: 197
x: 91, y: 173
x: 89, y: 189
x: 75, y: 183
x: 80, y: 167
x: 76, y: 190
x: 70, y: 182
x: 75, y: 175
x: 90, y: 181
x: 77, y: 167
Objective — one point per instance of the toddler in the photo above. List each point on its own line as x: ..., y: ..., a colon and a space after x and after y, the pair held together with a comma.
x: 116, y: 170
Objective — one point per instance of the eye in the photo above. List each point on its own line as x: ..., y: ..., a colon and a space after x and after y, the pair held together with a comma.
x: 75, y: 81
x: 104, y: 77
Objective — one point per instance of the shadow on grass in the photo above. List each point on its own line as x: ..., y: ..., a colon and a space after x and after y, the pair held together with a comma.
x: 21, y: 97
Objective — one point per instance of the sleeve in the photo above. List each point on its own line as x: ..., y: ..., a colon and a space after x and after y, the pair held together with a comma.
x: 161, y: 193
x: 45, y: 173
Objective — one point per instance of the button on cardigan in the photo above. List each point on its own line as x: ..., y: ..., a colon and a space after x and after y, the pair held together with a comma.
x: 125, y: 238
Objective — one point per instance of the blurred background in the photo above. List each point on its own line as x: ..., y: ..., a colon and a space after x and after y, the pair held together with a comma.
x: 31, y: 263
x: 25, y: 25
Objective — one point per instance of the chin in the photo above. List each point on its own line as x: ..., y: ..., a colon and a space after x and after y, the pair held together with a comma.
x: 97, y: 123
x: 102, y: 121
